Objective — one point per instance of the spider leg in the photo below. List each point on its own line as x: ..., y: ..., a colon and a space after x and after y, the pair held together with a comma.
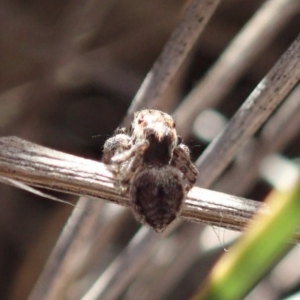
x: 135, y: 150
x: 123, y: 157
x: 182, y: 161
x: 128, y: 169
x: 119, y: 143
x: 132, y: 166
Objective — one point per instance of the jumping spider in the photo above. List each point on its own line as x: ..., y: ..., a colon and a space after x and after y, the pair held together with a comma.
x: 156, y: 166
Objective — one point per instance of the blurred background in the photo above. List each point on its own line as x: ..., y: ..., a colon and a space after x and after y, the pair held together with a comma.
x: 69, y: 71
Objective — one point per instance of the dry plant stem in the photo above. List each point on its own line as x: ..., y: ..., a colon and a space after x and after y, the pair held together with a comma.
x: 80, y: 250
x: 282, y: 127
x: 114, y: 280
x: 55, y: 271
x: 42, y: 167
x: 256, y: 109
x: 82, y: 253
x: 111, y: 283
x: 173, y: 55
x: 239, y: 55
x: 105, y: 235
x: 187, y: 247
x: 276, y: 134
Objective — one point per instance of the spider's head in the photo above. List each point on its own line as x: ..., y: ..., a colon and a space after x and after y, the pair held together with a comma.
x: 158, y: 128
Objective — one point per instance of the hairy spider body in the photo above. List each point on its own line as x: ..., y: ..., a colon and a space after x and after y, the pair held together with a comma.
x: 157, y: 195
x: 155, y: 164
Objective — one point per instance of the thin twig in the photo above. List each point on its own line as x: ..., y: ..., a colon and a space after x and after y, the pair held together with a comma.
x: 256, y: 109
x: 55, y: 271
x: 111, y: 282
x: 187, y: 248
x: 242, y: 51
x: 173, y: 55
x: 275, y: 135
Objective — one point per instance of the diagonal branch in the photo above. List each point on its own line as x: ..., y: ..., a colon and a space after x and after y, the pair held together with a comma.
x: 259, y: 105
x: 173, y: 55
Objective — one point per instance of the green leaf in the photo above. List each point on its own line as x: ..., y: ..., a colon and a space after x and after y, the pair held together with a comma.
x: 264, y: 242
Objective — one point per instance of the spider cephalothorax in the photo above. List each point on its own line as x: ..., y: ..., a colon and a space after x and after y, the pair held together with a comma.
x: 155, y: 164
x: 158, y: 128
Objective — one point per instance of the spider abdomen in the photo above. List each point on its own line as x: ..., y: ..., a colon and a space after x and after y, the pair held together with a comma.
x: 157, y: 194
